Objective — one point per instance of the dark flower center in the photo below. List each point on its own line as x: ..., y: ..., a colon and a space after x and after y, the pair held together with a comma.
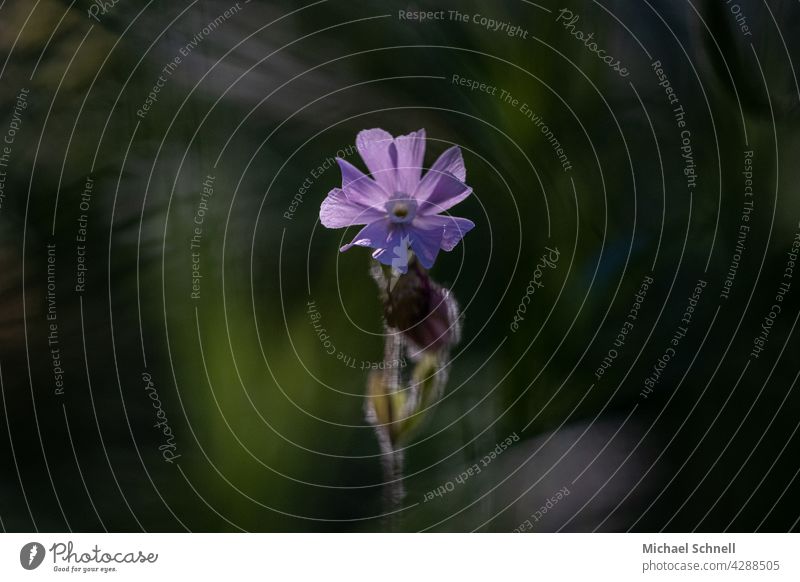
x: 401, y: 210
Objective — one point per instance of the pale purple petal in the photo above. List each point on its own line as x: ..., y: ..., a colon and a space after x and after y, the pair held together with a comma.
x: 360, y: 187
x: 451, y: 161
x: 400, y: 207
x: 394, y: 252
x: 339, y: 211
x: 390, y: 241
x: 440, y: 191
x: 377, y: 149
x: 453, y: 228
x: 426, y: 240
x: 410, y: 156
x: 374, y: 235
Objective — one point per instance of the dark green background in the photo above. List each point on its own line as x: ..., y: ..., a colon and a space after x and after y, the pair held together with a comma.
x: 265, y: 444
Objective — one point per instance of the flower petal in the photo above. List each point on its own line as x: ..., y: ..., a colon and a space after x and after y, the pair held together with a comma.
x: 390, y: 241
x: 395, y: 252
x: 410, y: 155
x: 360, y: 187
x: 426, y: 240
x: 374, y: 235
x: 338, y: 211
x: 451, y: 161
x: 454, y: 231
x: 453, y: 228
x: 377, y: 149
x: 440, y: 191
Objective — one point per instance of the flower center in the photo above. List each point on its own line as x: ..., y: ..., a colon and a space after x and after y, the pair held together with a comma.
x: 401, y: 210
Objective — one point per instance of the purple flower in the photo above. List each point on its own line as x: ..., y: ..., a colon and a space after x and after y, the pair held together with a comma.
x: 399, y: 206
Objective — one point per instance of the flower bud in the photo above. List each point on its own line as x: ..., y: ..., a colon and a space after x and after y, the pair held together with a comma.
x: 425, y: 313
x: 385, y: 406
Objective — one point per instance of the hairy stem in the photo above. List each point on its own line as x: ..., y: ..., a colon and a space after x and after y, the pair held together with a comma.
x: 394, y: 491
x: 392, y: 460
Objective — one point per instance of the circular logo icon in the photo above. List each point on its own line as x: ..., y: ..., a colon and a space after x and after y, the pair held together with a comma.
x: 31, y: 555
